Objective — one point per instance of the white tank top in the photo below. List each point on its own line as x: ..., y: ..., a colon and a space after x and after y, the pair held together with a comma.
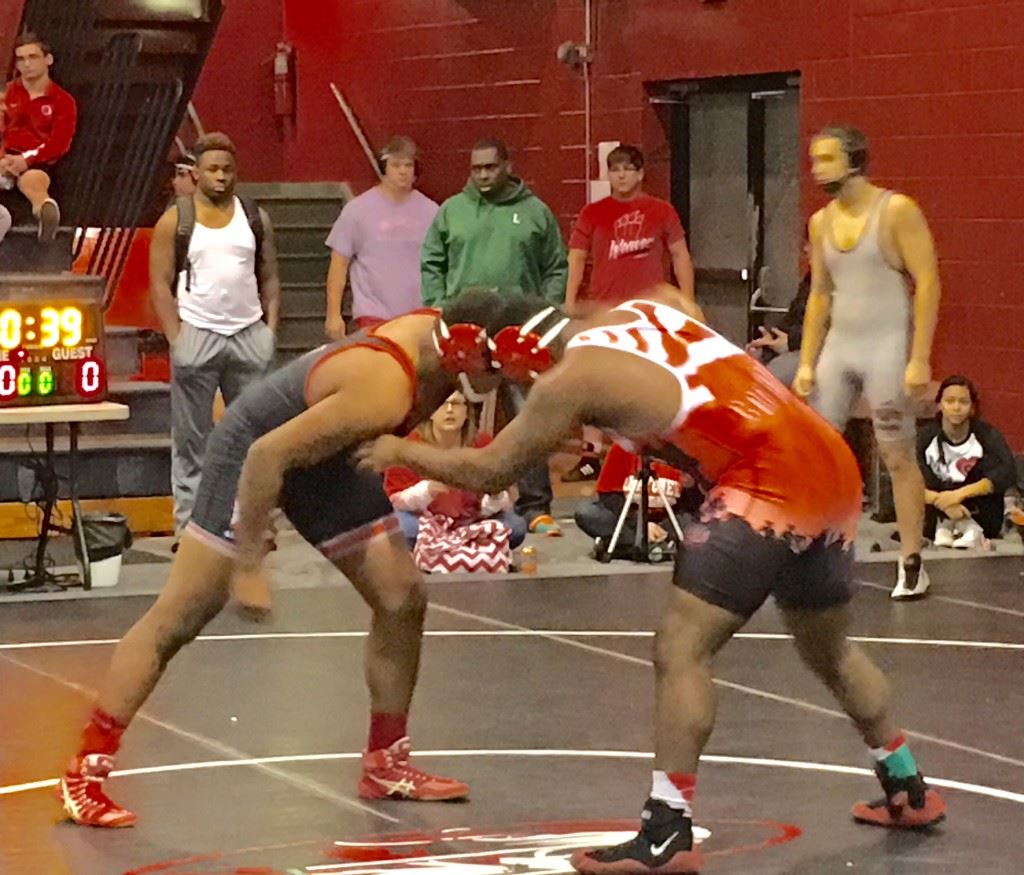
x: 224, y: 295
x: 870, y: 296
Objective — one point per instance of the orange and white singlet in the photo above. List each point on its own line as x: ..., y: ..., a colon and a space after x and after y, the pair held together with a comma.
x: 773, y: 461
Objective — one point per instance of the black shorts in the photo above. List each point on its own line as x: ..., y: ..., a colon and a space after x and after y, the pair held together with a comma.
x: 17, y: 204
x: 333, y: 505
x: 726, y: 563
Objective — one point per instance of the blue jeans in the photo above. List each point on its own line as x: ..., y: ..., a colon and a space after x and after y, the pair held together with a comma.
x: 410, y: 523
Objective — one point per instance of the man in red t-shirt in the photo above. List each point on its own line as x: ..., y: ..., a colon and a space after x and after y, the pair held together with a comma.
x: 627, y: 236
x: 39, y: 125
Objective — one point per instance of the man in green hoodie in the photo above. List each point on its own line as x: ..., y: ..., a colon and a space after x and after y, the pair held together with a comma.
x: 495, y: 232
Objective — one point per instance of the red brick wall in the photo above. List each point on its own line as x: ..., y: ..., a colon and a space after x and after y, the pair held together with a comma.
x: 938, y: 85
x: 235, y: 93
x: 10, y: 18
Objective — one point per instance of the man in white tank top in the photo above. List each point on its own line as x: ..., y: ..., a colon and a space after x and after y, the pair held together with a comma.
x: 865, y: 245
x: 219, y: 314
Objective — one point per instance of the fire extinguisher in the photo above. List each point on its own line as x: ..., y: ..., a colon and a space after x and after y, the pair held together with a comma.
x: 284, y: 81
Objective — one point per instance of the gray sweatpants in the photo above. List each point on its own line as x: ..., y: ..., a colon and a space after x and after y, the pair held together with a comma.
x: 201, y: 362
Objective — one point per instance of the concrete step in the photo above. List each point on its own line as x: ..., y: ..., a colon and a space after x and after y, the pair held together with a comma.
x: 109, y: 465
x: 304, y: 267
x: 295, y: 331
x: 150, y: 413
x: 305, y: 308
x: 299, y: 239
x: 150, y: 405
x: 122, y: 351
x: 299, y: 211
x: 304, y: 298
x: 278, y: 191
x: 22, y: 252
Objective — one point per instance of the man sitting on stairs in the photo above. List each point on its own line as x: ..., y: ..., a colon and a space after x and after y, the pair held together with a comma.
x: 39, y: 121
x: 216, y: 291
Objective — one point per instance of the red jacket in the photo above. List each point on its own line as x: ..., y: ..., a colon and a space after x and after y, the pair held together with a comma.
x: 41, y: 129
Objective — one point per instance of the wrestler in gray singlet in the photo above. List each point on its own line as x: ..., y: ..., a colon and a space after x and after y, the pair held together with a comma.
x: 323, y: 501
x: 866, y: 349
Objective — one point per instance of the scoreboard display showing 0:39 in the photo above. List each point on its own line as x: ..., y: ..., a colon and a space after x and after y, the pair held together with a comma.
x: 51, y: 343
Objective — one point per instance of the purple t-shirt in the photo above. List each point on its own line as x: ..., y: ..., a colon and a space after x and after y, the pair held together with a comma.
x: 382, y: 241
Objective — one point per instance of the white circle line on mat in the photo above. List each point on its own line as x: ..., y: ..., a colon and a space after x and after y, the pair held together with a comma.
x: 531, y: 633
x: 945, y: 783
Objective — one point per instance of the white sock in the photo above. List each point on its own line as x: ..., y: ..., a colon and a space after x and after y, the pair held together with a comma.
x: 664, y: 789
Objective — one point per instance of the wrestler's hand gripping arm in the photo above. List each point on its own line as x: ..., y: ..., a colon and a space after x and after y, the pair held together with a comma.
x: 553, y: 411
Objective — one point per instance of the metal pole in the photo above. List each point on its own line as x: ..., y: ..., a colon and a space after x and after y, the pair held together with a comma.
x: 357, y: 130
x: 587, y: 108
x: 78, y: 523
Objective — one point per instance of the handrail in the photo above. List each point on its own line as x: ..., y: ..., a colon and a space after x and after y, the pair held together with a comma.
x: 103, y: 106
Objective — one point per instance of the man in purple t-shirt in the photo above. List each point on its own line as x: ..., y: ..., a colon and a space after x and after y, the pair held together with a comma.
x: 378, y: 237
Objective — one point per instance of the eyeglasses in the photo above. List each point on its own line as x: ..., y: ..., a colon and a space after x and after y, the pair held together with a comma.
x: 450, y: 403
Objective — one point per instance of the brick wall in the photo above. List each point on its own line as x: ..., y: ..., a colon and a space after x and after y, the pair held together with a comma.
x: 10, y: 18
x: 938, y: 85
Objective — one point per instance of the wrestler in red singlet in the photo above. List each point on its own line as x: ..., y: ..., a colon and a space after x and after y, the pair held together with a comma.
x: 773, y: 461
x: 779, y: 521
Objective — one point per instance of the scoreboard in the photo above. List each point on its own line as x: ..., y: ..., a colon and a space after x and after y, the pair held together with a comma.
x: 52, y: 347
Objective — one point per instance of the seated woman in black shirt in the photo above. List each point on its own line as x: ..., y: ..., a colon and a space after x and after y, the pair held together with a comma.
x: 967, y: 467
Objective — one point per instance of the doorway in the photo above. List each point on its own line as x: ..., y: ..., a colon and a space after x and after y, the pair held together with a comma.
x: 735, y: 145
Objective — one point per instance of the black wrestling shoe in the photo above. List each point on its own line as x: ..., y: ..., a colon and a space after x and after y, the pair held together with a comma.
x: 663, y: 845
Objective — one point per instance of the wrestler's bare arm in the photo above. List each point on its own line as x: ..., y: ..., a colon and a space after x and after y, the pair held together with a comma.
x: 913, y: 240
x: 819, y: 303
x: 375, y: 400
x: 554, y: 409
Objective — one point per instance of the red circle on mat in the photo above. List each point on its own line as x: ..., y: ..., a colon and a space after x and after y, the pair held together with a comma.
x: 522, y: 849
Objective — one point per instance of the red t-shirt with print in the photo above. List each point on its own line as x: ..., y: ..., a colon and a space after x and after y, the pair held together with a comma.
x: 628, y: 243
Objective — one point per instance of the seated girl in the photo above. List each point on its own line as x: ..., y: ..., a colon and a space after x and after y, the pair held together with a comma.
x: 416, y: 499
x: 967, y: 467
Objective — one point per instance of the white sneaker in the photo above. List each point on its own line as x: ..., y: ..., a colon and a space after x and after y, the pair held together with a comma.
x: 945, y: 531
x: 912, y: 585
x: 971, y: 536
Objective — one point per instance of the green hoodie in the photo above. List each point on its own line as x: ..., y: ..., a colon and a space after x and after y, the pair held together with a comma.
x: 512, y: 242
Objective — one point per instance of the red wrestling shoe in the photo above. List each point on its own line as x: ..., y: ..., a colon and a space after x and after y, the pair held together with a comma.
x: 388, y: 775
x: 81, y: 794
x: 908, y: 804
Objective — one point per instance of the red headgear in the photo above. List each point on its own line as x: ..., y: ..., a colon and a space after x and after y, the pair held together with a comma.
x: 462, y: 348
x: 518, y: 352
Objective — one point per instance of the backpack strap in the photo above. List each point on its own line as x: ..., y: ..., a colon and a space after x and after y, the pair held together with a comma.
x: 252, y: 214
x: 182, y: 238
x: 186, y: 207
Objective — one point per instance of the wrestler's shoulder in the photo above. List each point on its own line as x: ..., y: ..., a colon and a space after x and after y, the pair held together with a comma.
x: 902, y: 205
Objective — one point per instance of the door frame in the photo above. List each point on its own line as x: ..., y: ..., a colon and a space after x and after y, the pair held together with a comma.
x: 676, y: 94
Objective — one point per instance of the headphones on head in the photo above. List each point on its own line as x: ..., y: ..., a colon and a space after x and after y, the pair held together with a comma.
x: 382, y: 164
x: 519, y: 353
